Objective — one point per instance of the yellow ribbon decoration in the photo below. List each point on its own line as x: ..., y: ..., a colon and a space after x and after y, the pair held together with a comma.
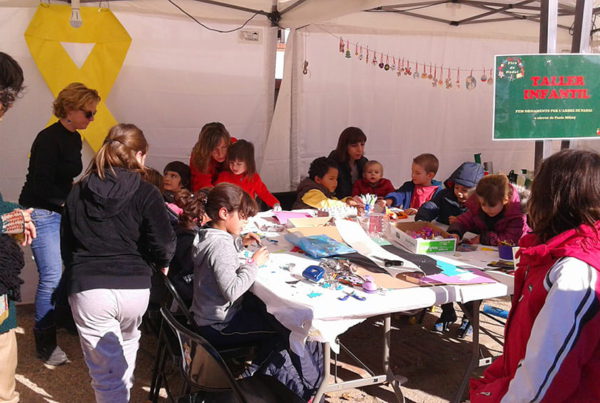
x: 50, y: 26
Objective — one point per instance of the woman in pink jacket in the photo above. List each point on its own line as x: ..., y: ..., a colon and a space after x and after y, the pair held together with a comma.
x: 552, y: 337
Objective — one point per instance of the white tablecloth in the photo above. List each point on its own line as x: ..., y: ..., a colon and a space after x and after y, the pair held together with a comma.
x: 309, y: 310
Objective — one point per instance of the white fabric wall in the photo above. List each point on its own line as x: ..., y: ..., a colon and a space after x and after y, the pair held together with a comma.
x: 402, y: 117
x: 176, y: 77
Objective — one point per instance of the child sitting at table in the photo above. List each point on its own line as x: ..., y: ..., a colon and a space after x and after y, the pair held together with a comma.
x: 449, y: 203
x: 551, y: 351
x: 242, y: 172
x: 226, y: 313
x: 372, y: 181
x: 317, y: 191
x: 494, y: 212
x: 420, y: 189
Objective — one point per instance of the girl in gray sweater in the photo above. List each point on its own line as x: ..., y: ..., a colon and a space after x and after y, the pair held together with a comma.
x: 226, y: 313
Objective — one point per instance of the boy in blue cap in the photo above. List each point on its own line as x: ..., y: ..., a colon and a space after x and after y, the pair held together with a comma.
x: 449, y: 203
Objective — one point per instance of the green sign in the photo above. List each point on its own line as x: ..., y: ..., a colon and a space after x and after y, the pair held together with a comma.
x: 547, y: 97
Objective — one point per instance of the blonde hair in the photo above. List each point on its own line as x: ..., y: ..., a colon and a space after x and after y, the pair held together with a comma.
x: 73, y: 97
x: 119, y: 150
x: 209, y: 139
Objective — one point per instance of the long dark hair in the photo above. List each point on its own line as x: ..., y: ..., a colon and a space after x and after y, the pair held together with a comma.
x: 226, y: 195
x: 209, y: 138
x: 350, y: 135
x: 565, y: 193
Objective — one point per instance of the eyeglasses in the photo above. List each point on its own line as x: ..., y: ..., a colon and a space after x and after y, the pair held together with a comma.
x: 88, y: 114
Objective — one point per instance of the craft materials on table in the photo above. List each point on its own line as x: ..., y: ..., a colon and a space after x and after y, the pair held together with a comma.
x: 368, y: 201
x: 318, y: 246
x: 338, y: 212
x: 284, y: 216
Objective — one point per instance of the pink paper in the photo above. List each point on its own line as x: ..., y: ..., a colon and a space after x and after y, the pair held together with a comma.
x: 475, y: 277
x: 284, y: 216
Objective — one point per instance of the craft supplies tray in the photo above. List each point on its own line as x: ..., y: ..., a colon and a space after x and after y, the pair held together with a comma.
x: 403, y: 234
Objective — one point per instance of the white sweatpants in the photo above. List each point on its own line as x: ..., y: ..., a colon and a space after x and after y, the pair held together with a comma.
x: 108, y: 322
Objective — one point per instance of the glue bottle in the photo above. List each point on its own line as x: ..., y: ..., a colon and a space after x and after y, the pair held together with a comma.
x: 492, y: 310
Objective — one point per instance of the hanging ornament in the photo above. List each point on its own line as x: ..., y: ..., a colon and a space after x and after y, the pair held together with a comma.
x: 305, y: 68
x: 386, y: 67
x: 490, y: 79
x: 407, y: 70
x: 440, y: 81
x: 381, y: 65
x: 458, y: 77
x: 425, y: 75
x: 434, y: 83
x: 360, y: 56
x: 448, y: 80
x: 484, y: 78
x: 416, y: 74
x: 356, y: 49
x: 400, y: 67
x: 348, y: 55
x: 374, y: 61
x: 367, y: 55
x: 470, y: 81
x: 341, y: 45
x: 393, y: 66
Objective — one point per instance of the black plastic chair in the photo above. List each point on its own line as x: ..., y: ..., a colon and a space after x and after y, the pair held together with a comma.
x: 205, y: 370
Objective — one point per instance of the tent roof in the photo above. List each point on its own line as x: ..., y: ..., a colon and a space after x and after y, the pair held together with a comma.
x: 506, y: 19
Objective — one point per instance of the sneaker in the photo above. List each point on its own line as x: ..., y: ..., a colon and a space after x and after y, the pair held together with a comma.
x: 56, y: 358
x: 465, y: 329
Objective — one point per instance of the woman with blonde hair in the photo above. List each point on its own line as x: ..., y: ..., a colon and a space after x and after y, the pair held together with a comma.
x: 209, y: 155
x: 55, y: 160
x: 115, y: 226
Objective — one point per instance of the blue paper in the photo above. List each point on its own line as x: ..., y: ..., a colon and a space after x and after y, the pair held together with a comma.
x: 449, y: 269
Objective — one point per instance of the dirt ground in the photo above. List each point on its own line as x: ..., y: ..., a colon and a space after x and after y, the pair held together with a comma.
x: 433, y: 363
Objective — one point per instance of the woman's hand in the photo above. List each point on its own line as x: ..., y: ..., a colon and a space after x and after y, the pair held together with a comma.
x: 410, y: 211
x: 452, y: 219
x: 29, y: 228
x: 250, y: 238
x: 261, y: 256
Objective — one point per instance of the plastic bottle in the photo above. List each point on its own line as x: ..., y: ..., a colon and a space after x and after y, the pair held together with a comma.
x: 492, y: 310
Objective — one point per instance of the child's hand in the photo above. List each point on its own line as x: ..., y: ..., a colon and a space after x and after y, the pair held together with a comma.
x: 261, y: 256
x: 452, y: 219
x: 277, y: 208
x: 250, y: 238
x: 455, y: 236
x: 474, y: 241
x: 410, y: 211
x: 381, y: 203
x: 388, y: 202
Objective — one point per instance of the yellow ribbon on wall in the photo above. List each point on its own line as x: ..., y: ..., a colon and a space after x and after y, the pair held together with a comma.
x: 50, y: 26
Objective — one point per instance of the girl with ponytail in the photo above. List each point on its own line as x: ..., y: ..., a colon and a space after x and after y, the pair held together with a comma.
x: 115, y: 226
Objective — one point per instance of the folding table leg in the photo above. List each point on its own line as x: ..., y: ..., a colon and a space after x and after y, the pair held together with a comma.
x: 474, y: 362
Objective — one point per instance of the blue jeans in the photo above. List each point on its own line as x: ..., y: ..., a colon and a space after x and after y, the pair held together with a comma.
x: 46, y: 252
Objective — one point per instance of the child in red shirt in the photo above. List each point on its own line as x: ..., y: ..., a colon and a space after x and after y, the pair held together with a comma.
x: 372, y: 181
x: 416, y: 192
x: 242, y: 172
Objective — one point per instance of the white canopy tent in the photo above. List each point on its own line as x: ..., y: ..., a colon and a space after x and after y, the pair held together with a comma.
x: 178, y: 75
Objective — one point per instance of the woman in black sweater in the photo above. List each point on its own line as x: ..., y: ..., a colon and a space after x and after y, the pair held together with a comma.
x: 55, y: 160
x: 115, y: 226
x: 350, y: 157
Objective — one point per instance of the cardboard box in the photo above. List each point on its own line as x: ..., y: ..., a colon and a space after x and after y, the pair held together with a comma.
x: 399, y: 237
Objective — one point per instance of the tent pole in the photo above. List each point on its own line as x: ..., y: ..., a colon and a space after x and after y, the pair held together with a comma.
x: 548, y: 28
x: 582, y: 28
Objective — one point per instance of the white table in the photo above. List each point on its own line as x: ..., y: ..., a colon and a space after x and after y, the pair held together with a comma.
x: 309, y: 310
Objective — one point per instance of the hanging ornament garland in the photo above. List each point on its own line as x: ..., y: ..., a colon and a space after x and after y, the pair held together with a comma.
x: 404, y: 67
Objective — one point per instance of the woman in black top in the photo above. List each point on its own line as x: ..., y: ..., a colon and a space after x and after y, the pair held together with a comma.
x: 349, y: 155
x: 115, y: 226
x: 55, y: 160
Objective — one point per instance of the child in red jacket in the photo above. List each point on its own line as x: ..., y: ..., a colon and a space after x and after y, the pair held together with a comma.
x: 242, y: 172
x: 372, y: 181
x: 552, y: 337
x: 494, y: 212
